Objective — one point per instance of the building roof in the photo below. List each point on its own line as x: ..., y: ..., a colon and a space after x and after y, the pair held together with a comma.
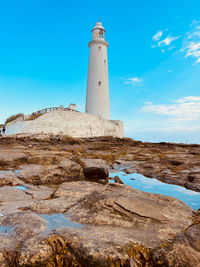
x: 98, y: 26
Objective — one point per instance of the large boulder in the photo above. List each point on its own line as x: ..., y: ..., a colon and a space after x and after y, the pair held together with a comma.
x: 96, y: 174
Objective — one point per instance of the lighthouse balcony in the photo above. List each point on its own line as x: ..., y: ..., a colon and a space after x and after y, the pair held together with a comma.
x: 99, y: 41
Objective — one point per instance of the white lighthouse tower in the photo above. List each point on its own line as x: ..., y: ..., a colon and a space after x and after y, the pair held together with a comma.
x: 97, y: 100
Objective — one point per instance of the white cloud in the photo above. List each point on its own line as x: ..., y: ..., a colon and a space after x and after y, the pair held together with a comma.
x: 181, y: 128
x: 191, y: 45
x: 157, y: 36
x: 164, y: 41
x: 184, y: 109
x: 168, y: 40
x: 188, y: 99
x: 178, y: 121
x: 133, y: 80
x: 186, y: 191
x: 193, y: 49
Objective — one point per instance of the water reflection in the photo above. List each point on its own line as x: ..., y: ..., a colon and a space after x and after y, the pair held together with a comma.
x: 142, y: 183
x: 5, y: 230
x: 59, y: 220
x: 21, y: 187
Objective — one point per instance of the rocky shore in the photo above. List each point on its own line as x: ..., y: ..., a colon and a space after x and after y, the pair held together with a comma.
x: 53, y: 212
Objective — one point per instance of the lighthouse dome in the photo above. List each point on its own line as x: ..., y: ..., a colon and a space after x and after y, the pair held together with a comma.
x: 98, y: 26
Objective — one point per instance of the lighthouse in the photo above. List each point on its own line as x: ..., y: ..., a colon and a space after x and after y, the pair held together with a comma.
x: 97, y: 99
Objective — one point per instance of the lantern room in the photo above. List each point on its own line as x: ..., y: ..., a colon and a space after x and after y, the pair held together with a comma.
x: 98, y: 32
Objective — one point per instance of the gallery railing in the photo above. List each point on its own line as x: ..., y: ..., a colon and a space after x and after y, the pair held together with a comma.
x: 45, y: 110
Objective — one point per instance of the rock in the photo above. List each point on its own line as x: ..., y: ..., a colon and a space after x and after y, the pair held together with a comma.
x: 168, y: 162
x: 118, y: 180
x: 193, y: 181
x: 120, y: 225
x: 96, y: 174
x: 75, y: 190
x: 175, y: 162
x: 9, y: 160
x: 12, y: 194
x: 100, y: 163
x: 183, y: 250
x: 52, y: 174
x: 36, y: 251
x: 30, y: 173
x: 100, y: 205
x: 23, y: 225
x: 8, y: 178
x: 117, y: 225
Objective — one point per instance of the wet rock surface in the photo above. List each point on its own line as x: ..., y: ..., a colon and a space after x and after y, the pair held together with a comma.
x: 172, y: 253
x: 52, y: 213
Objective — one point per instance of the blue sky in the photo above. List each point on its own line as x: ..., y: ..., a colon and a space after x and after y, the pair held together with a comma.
x: 153, y: 57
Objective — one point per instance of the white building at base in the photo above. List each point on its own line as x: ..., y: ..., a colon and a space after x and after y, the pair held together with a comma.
x: 75, y: 124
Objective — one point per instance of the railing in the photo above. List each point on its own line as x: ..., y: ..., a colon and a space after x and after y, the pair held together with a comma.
x: 45, y: 110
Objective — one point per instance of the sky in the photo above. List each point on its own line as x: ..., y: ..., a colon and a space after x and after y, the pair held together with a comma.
x: 153, y: 61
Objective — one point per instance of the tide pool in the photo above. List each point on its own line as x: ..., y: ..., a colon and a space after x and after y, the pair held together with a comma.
x: 152, y: 185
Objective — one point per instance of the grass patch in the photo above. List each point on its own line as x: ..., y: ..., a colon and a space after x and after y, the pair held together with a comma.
x: 14, y: 117
x: 33, y: 116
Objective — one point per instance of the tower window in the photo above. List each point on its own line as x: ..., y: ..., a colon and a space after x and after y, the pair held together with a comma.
x: 101, y: 34
x: 99, y: 47
x: 99, y: 83
x: 104, y: 61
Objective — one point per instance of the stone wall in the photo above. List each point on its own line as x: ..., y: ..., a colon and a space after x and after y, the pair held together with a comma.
x: 75, y: 124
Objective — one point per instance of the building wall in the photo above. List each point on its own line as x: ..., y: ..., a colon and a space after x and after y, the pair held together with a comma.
x: 75, y: 124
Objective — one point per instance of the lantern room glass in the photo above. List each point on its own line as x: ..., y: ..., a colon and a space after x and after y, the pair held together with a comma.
x: 101, y: 34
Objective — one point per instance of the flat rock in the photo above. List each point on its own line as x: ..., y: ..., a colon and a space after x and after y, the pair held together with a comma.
x: 51, y: 174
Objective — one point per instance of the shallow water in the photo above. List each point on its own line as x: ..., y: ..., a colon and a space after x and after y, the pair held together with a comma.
x: 142, y: 183
x: 59, y: 220
x: 17, y: 172
x: 21, y: 187
x: 5, y: 230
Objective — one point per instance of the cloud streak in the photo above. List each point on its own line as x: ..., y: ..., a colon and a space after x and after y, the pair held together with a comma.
x: 157, y: 36
x: 191, y: 45
x: 165, y: 41
x: 168, y: 40
x: 133, y: 81
x: 190, y: 42
x: 183, y: 109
